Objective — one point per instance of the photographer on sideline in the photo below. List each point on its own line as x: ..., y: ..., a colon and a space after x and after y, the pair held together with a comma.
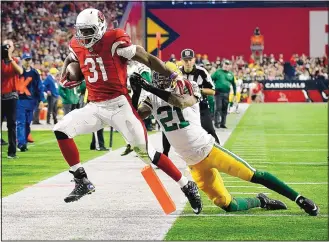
x: 10, y: 71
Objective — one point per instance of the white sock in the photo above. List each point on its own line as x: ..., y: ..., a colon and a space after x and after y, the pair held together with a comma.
x: 183, y: 181
x: 75, y: 167
x: 297, y: 198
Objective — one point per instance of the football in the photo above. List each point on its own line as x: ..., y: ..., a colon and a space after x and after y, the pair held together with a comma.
x: 74, y: 72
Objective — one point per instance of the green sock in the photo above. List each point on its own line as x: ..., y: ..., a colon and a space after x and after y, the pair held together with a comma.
x: 273, y: 183
x: 240, y: 204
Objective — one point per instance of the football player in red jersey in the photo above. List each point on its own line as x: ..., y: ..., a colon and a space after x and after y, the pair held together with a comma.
x: 103, y: 57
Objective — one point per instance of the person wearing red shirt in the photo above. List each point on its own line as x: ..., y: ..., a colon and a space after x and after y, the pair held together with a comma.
x: 10, y: 71
x: 103, y: 56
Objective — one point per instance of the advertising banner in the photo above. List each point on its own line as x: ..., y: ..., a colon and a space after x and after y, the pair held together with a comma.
x: 291, y: 91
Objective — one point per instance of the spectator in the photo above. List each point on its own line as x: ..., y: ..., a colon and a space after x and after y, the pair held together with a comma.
x: 29, y: 98
x: 70, y: 98
x: 257, y: 44
x: 223, y: 79
x: 198, y: 60
x: 172, y: 58
x: 51, y: 87
x: 10, y: 71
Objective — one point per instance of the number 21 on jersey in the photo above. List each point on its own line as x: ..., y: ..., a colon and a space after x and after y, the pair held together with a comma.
x: 91, y: 63
x: 170, y: 112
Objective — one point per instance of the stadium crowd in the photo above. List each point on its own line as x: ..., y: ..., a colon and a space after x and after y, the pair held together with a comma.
x: 44, y: 28
x: 297, y: 67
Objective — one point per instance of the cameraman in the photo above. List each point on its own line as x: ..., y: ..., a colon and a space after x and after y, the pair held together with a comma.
x: 10, y: 71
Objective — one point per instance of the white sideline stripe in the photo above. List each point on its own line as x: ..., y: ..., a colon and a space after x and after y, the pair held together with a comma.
x: 248, y: 215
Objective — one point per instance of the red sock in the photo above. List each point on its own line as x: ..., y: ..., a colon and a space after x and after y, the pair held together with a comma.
x: 169, y: 168
x: 69, y: 151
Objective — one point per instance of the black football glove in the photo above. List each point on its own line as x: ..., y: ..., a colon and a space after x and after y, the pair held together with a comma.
x: 136, y: 80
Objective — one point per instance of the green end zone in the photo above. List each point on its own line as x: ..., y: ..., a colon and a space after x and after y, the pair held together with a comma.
x: 288, y: 140
x: 44, y: 159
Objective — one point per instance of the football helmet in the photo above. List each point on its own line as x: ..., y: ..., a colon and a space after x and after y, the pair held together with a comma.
x: 164, y: 82
x: 90, y: 27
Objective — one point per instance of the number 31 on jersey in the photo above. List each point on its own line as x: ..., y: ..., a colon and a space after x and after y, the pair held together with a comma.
x: 91, y: 63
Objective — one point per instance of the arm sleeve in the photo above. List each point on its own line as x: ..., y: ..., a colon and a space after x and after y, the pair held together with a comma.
x: 62, y: 92
x: 214, y: 77
x: 46, y: 85
x: 40, y: 88
x: 207, y: 81
x: 122, y: 45
x: 233, y: 85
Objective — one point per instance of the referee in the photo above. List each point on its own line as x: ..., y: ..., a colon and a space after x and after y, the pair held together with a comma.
x: 192, y: 72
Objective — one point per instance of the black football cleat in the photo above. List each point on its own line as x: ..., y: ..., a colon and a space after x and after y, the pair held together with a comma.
x: 82, y: 186
x: 270, y: 204
x: 308, y: 205
x: 191, y: 191
x: 127, y: 150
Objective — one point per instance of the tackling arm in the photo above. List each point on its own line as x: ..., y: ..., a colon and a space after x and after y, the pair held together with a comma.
x: 151, y: 61
x: 208, y: 91
x: 178, y: 100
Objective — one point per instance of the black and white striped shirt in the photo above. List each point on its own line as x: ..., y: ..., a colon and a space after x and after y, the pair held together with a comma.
x: 203, y: 79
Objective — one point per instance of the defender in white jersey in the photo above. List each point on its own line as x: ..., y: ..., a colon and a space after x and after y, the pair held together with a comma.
x: 182, y: 127
x: 180, y: 119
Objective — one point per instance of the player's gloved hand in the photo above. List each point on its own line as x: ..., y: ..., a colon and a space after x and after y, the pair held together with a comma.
x: 66, y: 83
x: 181, y: 83
x: 137, y: 80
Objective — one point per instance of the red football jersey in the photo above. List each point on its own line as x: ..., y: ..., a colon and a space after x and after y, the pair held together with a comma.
x: 105, y: 72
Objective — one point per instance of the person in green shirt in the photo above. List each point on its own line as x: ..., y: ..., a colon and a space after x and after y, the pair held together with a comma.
x: 70, y: 98
x: 223, y: 79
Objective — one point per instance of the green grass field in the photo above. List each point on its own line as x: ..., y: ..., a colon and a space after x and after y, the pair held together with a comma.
x: 290, y: 141
x: 44, y: 160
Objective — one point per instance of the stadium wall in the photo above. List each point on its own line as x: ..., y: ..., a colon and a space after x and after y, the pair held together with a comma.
x: 225, y: 30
